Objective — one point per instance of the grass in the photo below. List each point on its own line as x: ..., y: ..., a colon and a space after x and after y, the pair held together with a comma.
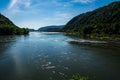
x: 78, y: 77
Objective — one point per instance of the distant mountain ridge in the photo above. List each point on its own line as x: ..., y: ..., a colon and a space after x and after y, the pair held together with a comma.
x: 32, y: 30
x: 100, y: 22
x: 7, y: 27
x: 53, y: 28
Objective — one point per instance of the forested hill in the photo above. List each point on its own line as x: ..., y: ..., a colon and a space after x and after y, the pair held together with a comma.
x: 7, y: 27
x: 54, y: 28
x: 5, y: 20
x: 104, y: 21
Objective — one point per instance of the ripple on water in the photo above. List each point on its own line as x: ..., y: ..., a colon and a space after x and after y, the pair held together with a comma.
x: 66, y: 68
x: 48, y: 65
x: 85, y: 41
x: 53, y: 72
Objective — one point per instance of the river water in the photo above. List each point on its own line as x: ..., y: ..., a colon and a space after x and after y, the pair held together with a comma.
x: 55, y: 56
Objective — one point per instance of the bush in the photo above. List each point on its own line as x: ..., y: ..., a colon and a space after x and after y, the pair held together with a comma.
x: 78, y: 77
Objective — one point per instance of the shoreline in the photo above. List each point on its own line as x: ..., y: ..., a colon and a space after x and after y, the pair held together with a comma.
x: 96, y: 37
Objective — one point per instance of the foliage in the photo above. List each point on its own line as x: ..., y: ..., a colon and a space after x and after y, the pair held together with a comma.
x: 8, y: 28
x: 104, y: 21
x: 78, y: 77
x: 51, y: 28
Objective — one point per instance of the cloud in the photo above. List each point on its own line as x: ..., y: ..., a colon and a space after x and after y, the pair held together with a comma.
x: 62, y: 15
x: 84, y: 1
x: 36, y: 13
x: 19, y: 3
x: 28, y: 3
x: 13, y: 2
x: 20, y: 7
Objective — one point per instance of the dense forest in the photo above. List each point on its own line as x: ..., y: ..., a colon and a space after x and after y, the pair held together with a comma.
x: 54, y: 28
x: 8, y: 28
x: 102, y: 22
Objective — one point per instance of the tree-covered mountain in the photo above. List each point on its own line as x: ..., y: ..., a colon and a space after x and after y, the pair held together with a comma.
x: 104, y: 21
x: 32, y: 30
x: 7, y: 27
x: 51, y: 28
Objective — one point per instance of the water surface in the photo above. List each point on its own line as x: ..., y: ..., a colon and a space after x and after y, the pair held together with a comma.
x: 54, y: 56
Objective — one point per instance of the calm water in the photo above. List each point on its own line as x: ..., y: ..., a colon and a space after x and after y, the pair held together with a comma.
x: 52, y: 56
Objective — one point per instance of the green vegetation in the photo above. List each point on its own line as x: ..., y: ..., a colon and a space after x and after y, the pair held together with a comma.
x: 51, y: 28
x: 78, y: 77
x: 102, y: 22
x: 8, y: 28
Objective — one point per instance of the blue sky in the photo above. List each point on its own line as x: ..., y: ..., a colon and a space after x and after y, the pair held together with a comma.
x: 39, y: 13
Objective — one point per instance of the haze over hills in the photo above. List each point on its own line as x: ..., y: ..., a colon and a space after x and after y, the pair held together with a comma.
x: 53, y: 28
x: 7, y: 27
x: 104, y: 21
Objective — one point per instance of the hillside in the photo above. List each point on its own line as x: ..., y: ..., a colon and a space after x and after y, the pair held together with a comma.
x: 7, y: 27
x: 51, y: 28
x: 32, y: 30
x: 102, y: 22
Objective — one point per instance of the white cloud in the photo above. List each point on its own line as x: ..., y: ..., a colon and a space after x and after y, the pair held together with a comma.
x: 13, y: 2
x: 63, y: 15
x: 20, y: 7
x: 84, y: 1
x: 18, y: 3
x: 28, y: 3
x: 34, y: 13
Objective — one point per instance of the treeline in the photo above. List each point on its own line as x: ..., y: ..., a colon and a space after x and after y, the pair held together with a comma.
x: 8, y: 28
x: 12, y: 30
x: 104, y: 21
x: 100, y: 29
x: 54, y: 28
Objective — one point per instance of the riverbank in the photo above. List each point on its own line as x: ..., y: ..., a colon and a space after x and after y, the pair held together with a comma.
x: 110, y: 38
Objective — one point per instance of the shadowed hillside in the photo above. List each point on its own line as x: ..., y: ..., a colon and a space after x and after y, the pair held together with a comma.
x: 7, y: 27
x: 51, y: 28
x: 102, y: 22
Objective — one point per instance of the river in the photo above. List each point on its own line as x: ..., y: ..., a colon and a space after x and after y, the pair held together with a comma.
x: 55, y: 56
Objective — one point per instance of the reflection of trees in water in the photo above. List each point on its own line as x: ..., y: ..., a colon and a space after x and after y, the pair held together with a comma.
x: 6, y: 42
x: 9, y: 40
x: 25, y: 37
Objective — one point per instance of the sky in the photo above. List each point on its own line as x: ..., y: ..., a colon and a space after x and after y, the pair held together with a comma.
x: 39, y: 13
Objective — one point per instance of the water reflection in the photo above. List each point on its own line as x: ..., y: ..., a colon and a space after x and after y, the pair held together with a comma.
x: 5, y: 43
x: 50, y: 56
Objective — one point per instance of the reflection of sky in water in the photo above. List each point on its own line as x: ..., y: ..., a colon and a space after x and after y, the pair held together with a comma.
x: 51, y: 57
